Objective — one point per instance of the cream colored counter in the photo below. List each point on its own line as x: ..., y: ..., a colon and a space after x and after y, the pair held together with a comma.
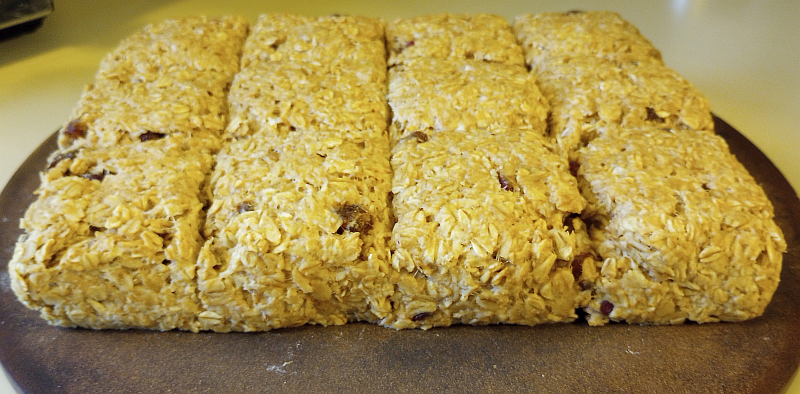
x: 743, y: 55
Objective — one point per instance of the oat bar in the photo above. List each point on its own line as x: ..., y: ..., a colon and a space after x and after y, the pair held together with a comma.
x: 298, y: 232
x: 433, y: 95
x: 113, y: 238
x: 587, y: 94
x: 597, y: 34
x: 281, y: 97
x: 485, y: 231
x: 318, y: 40
x: 303, y: 73
x: 482, y: 37
x: 682, y: 230
x: 170, y: 77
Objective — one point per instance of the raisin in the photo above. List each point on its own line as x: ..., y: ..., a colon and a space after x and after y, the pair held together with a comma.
x: 150, y: 136
x: 505, y: 184
x: 418, y: 135
x: 652, y: 115
x: 573, y: 168
x: 166, y: 262
x: 354, y: 218
x: 61, y: 156
x: 95, y: 177
x: 245, y: 207
x: 421, y: 316
x: 568, y: 221
x: 577, y: 264
x: 606, y: 308
x: 75, y: 129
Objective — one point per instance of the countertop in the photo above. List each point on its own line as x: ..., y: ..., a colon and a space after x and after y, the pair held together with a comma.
x: 742, y: 55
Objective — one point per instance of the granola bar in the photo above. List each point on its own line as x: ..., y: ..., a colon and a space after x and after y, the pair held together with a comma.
x: 113, y: 238
x: 170, y: 77
x: 682, y: 230
x: 597, y: 33
x: 297, y: 232
x: 432, y: 95
x: 485, y: 231
x: 317, y: 40
x: 587, y: 94
x: 484, y: 37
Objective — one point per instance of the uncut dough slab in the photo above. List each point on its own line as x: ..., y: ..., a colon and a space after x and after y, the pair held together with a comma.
x: 297, y: 232
x: 682, y: 230
x: 171, y: 76
x: 113, y: 238
x: 484, y: 231
x: 484, y: 37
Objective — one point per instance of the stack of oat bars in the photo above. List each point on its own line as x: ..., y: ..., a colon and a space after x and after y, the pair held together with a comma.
x: 414, y: 174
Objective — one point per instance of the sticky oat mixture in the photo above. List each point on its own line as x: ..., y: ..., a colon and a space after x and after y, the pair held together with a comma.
x: 435, y: 170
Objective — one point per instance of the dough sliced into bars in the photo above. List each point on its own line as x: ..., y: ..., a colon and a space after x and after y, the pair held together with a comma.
x: 682, y: 230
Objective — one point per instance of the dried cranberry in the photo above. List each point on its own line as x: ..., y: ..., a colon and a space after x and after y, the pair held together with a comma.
x: 150, y: 136
x: 410, y: 44
x: 354, y: 218
x: 75, y: 129
x: 421, y: 316
x: 505, y: 184
x: 606, y: 308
